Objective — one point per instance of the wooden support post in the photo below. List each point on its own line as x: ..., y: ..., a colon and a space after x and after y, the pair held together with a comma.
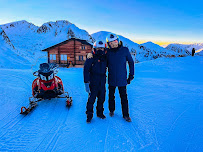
x: 59, y: 55
x: 74, y: 53
x: 48, y: 56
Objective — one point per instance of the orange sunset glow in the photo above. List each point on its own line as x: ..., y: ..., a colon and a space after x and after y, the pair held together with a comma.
x: 161, y: 42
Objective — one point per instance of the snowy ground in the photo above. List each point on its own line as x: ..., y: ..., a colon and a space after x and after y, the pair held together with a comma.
x: 166, y: 107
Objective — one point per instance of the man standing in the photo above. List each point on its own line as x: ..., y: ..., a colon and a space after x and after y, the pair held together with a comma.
x: 117, y: 57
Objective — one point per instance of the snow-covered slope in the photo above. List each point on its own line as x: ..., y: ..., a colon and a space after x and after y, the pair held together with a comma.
x: 200, y: 52
x: 156, y: 51
x: 185, y: 48
x: 9, y: 58
x: 197, y: 46
x: 5, y: 40
x: 165, y: 105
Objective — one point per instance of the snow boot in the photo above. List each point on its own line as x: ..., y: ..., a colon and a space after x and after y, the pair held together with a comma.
x: 102, y: 116
x: 128, y: 119
x: 111, y: 114
x: 89, y: 118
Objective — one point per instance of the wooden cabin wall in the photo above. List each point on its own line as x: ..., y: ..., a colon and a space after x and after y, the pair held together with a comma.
x: 72, y: 54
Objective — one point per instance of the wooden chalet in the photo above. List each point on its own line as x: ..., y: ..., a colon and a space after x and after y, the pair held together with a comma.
x: 70, y: 52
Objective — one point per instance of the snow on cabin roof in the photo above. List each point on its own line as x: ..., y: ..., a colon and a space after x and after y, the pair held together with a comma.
x: 82, y: 41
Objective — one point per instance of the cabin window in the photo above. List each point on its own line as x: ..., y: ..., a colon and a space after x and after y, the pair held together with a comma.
x: 80, y: 58
x: 63, y: 57
x: 52, y: 56
x: 83, y: 47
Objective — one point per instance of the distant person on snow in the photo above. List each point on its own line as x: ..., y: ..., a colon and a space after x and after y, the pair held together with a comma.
x: 117, y: 57
x: 193, y: 51
x: 95, y: 80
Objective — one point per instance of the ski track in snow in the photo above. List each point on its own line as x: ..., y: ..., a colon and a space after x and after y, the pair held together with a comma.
x: 165, y: 102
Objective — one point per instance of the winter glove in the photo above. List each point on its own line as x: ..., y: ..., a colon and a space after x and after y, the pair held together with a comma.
x: 87, y: 87
x: 130, y: 78
x: 89, y: 55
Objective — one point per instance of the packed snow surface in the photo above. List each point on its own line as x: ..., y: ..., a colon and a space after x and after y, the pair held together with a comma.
x: 165, y: 101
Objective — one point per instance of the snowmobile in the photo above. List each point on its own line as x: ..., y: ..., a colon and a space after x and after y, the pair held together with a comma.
x: 46, y: 86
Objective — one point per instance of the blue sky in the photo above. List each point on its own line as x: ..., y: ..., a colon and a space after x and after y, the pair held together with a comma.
x: 139, y: 20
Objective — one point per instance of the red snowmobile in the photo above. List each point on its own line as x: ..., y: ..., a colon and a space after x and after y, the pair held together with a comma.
x: 46, y: 86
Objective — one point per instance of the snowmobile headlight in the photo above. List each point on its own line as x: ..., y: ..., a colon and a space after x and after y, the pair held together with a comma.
x: 51, y: 76
x: 42, y: 77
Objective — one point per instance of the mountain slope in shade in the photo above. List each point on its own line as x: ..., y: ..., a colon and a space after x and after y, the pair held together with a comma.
x: 8, y: 55
x: 5, y: 40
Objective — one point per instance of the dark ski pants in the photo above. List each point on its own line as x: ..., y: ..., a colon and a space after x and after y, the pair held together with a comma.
x: 124, y: 99
x: 99, y: 92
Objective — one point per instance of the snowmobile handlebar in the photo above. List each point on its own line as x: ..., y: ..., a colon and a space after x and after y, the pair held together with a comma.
x: 36, y: 73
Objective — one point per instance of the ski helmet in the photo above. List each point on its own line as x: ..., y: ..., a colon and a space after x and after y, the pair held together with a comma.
x: 97, y: 45
x: 112, y: 37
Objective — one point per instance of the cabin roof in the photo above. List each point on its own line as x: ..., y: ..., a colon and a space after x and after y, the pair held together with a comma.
x: 82, y: 41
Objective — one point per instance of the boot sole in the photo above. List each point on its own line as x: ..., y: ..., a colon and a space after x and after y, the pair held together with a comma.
x: 100, y: 117
x: 128, y: 120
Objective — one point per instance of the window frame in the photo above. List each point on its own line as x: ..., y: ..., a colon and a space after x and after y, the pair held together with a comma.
x: 53, y: 57
x: 64, y: 57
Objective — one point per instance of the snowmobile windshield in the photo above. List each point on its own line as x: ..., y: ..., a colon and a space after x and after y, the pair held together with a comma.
x: 43, y: 69
x: 45, y: 72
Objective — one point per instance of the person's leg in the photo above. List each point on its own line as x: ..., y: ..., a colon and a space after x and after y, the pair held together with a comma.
x: 112, y: 98
x: 100, y: 101
x: 124, y: 100
x: 91, y: 100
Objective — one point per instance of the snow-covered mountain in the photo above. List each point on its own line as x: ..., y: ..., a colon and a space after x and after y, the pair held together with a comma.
x: 9, y: 58
x: 29, y: 39
x: 142, y: 52
x: 185, y: 48
x: 155, y: 51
